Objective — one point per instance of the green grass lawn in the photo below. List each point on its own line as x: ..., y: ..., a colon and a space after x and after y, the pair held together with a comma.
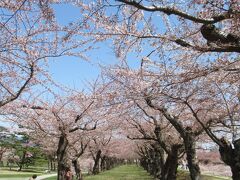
x: 132, y: 172
x: 15, y: 175
x: 125, y: 172
x: 5, y: 173
x: 26, y: 172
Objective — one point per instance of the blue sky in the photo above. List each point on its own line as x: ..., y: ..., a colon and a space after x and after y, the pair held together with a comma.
x: 75, y: 72
x: 72, y: 71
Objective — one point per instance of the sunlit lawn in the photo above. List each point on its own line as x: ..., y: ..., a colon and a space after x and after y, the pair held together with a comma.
x: 126, y: 172
x: 6, y: 173
x: 12, y: 174
x: 134, y: 173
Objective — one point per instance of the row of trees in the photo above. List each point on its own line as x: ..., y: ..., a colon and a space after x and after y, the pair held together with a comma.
x: 17, y: 149
x: 186, y: 88
x: 30, y: 36
x: 189, y: 79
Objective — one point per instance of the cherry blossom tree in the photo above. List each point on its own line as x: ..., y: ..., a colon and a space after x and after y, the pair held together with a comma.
x: 98, y: 147
x: 142, y: 122
x: 64, y: 125
x: 30, y: 36
x: 188, y: 74
x: 180, y: 100
x: 165, y: 149
x: 213, y: 103
x: 210, y: 102
x: 192, y: 39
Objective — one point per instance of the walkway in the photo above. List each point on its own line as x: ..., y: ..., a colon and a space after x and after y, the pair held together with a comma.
x: 38, y: 178
x: 45, y: 176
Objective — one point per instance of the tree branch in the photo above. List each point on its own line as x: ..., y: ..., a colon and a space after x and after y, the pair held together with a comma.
x: 85, y: 128
x: 81, y: 115
x: 173, y: 120
x: 17, y: 94
x: 207, y: 130
x: 172, y: 10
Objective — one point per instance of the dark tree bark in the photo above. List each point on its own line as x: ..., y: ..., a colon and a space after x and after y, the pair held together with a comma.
x: 77, y: 169
x: 166, y: 170
x: 171, y: 164
x: 213, y: 34
x: 103, y: 163
x: 159, y: 160
x: 51, y: 165
x: 159, y: 149
x: 54, y: 166
x: 231, y: 156
x: 61, y: 155
x: 48, y: 164
x: 190, y: 149
x: 96, y: 162
x: 188, y: 137
x: 21, y: 163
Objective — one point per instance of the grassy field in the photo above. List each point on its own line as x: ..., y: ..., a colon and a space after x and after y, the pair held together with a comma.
x: 132, y: 172
x: 126, y: 172
x: 39, y: 168
x: 5, y: 173
x: 129, y: 172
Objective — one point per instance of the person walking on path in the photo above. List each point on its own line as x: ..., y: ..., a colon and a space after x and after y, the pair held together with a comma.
x: 68, y: 174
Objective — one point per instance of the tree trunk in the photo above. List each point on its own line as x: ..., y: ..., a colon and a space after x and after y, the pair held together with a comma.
x: 159, y: 160
x: 190, y: 148
x: 235, y: 172
x: 231, y: 156
x: 159, y: 151
x: 172, y: 172
x: 152, y: 165
x: 169, y: 171
x: 48, y: 164
x: 96, y: 162
x: 77, y: 169
x: 61, y: 156
x: 109, y: 163
x: 51, y: 165
x: 1, y: 155
x: 103, y: 163
x: 22, y: 161
x: 54, y: 165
